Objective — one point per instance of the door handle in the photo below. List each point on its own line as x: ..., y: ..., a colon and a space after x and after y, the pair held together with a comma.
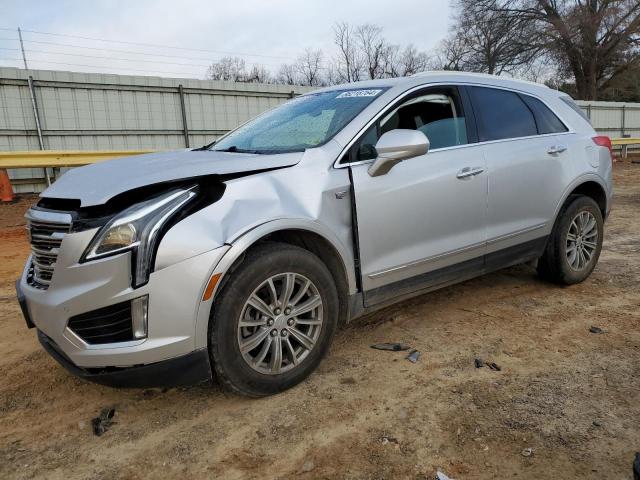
x: 556, y: 149
x: 467, y: 172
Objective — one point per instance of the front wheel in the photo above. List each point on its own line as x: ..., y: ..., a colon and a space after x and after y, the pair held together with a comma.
x: 574, y: 244
x: 273, y: 321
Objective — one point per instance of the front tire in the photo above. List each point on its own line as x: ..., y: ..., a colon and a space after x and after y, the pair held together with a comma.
x: 273, y: 321
x: 574, y: 244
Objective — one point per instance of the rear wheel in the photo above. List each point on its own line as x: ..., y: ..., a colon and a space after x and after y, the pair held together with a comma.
x: 574, y: 244
x: 273, y: 321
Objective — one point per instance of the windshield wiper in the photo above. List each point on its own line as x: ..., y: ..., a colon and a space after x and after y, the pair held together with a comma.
x: 234, y: 149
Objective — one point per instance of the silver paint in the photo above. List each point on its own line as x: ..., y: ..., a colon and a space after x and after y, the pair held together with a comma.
x: 420, y: 216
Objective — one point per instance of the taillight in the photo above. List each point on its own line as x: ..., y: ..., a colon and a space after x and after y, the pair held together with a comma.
x: 604, y: 141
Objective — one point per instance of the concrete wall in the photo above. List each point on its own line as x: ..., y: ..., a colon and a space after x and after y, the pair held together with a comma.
x: 88, y: 111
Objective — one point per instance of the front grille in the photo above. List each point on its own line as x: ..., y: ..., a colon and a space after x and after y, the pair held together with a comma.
x: 105, y: 325
x: 46, y: 229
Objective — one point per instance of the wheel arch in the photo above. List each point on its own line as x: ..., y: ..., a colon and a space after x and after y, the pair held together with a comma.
x: 595, y: 191
x: 590, y: 186
x: 306, y: 234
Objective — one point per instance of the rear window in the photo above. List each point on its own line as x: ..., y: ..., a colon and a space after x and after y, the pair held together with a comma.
x: 501, y: 114
x: 575, y: 107
x: 546, y: 120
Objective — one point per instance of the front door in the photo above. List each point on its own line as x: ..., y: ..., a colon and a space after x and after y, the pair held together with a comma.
x: 424, y: 222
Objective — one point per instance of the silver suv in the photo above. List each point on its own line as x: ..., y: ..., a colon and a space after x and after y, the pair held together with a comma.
x: 239, y: 259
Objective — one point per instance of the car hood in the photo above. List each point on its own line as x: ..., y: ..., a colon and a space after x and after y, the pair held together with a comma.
x: 97, y: 183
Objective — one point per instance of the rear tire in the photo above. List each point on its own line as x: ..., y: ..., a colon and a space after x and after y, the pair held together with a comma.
x: 273, y: 321
x: 575, y: 243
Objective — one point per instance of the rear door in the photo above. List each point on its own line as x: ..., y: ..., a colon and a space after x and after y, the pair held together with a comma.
x: 525, y: 146
x: 423, y: 223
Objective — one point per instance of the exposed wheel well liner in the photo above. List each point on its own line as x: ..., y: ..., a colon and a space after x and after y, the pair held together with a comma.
x: 593, y: 190
x: 319, y: 246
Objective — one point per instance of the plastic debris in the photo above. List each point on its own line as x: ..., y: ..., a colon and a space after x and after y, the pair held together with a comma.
x: 493, y: 366
x: 308, y: 466
x: 414, y: 356
x: 392, y: 347
x: 442, y: 476
x: 527, y: 452
x: 386, y: 439
x: 479, y: 363
x: 596, y: 330
x: 102, y: 423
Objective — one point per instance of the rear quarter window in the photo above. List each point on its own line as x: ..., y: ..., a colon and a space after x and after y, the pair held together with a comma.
x: 575, y: 107
x: 501, y: 114
x: 546, y: 120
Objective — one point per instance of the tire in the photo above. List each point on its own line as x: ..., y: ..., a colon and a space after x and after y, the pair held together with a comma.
x: 558, y: 263
x: 255, y: 372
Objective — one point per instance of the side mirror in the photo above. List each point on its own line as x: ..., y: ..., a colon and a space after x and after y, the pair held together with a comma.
x: 396, y: 146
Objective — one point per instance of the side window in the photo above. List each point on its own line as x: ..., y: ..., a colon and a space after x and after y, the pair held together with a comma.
x: 365, y: 148
x: 575, y: 107
x: 547, y: 121
x: 501, y: 114
x: 436, y: 112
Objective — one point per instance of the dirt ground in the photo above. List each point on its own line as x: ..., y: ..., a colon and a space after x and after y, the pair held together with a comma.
x: 571, y: 396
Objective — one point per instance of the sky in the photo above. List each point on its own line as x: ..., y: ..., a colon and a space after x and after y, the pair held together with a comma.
x: 180, y: 38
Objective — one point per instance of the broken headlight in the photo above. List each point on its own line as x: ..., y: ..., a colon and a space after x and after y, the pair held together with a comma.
x: 137, y: 229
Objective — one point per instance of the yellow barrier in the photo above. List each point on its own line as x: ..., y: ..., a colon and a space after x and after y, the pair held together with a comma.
x: 61, y: 158
x: 71, y: 158
x: 625, y: 141
x: 624, y: 144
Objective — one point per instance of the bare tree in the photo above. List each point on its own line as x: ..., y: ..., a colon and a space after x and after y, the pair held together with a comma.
x: 451, y: 54
x: 258, y: 74
x: 373, y: 49
x: 348, y: 64
x: 484, y: 40
x: 231, y: 69
x: 287, y: 75
x: 593, y: 41
x: 331, y: 76
x: 363, y: 52
x: 308, y: 66
x: 405, y: 62
x: 412, y: 61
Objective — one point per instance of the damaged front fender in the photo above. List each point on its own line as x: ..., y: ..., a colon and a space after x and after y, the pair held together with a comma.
x: 308, y: 197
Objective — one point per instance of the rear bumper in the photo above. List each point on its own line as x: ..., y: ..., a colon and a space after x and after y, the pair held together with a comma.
x: 184, y: 370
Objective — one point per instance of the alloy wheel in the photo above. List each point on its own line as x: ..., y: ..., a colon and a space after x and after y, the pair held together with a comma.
x: 280, y: 323
x: 582, y: 240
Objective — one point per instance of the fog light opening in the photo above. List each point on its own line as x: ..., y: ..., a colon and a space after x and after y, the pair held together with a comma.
x: 139, y: 313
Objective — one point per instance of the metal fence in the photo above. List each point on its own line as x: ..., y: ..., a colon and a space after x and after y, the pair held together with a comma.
x: 614, y: 119
x: 43, y: 109
x: 87, y: 111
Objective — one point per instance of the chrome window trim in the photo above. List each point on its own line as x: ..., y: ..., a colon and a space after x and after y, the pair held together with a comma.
x: 388, y: 106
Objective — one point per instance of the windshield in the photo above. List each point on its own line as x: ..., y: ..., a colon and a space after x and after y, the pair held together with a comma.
x: 303, y: 122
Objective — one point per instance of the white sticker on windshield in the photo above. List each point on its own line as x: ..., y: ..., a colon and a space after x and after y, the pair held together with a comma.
x: 359, y: 93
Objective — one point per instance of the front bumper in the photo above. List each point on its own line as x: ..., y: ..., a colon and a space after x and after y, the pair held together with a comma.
x: 189, y: 369
x: 177, y: 316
